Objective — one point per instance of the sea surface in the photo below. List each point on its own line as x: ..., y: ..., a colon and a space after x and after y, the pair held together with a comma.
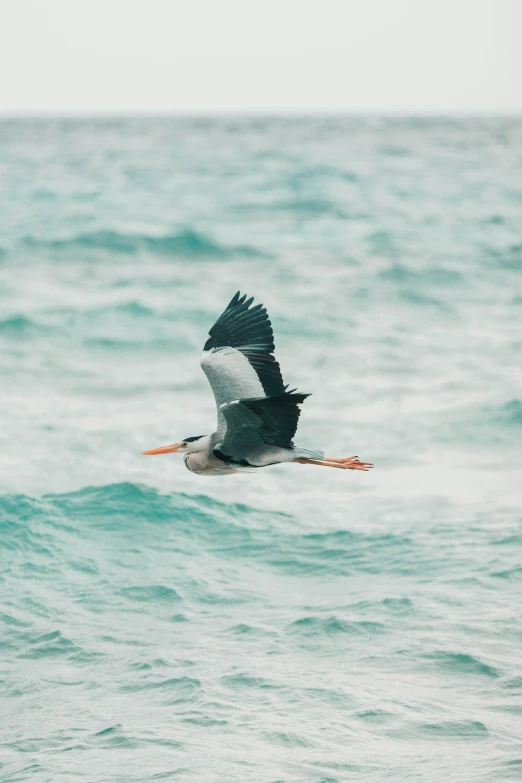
x: 298, y: 624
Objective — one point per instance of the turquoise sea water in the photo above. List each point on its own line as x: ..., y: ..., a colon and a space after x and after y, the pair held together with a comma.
x: 298, y: 624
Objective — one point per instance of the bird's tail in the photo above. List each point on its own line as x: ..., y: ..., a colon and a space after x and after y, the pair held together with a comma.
x: 308, y: 453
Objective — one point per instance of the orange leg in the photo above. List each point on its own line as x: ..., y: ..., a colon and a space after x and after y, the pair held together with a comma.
x: 348, y: 463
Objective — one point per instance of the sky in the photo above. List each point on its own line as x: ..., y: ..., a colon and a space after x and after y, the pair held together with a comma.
x: 260, y: 56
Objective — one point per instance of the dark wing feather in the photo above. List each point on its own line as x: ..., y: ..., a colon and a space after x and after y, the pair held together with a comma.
x: 248, y: 329
x: 279, y: 416
x: 271, y: 420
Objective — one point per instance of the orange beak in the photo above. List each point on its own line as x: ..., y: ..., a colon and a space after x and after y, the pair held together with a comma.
x: 163, y: 449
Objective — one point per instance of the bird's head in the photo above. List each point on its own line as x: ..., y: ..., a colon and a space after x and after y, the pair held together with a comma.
x: 185, y: 446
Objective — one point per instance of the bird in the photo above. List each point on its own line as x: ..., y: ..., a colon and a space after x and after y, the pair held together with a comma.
x: 257, y: 414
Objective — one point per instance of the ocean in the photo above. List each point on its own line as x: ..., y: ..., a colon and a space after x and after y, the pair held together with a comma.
x: 294, y: 625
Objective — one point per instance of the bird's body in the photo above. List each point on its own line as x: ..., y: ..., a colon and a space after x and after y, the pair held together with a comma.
x: 256, y: 414
x: 206, y: 463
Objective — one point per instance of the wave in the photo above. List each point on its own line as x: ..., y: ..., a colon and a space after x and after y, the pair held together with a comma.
x: 117, y: 507
x: 133, y: 308
x: 126, y: 326
x: 508, y: 257
x: 151, y: 593
x: 400, y: 273
x: 508, y: 414
x: 238, y: 533
x: 331, y: 626
x: 306, y: 207
x: 308, y: 174
x: 461, y: 663
x: 486, y: 424
x: 395, y: 151
x: 174, y: 690
x: 54, y: 644
x: 17, y: 325
x: 454, y: 729
x: 186, y: 243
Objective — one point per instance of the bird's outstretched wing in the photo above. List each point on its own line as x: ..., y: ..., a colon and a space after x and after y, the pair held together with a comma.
x: 259, y: 421
x: 238, y: 356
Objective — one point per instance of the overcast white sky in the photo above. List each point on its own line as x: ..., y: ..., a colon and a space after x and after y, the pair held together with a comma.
x: 207, y: 56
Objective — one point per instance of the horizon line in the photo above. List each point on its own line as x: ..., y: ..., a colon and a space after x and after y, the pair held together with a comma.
x: 261, y: 114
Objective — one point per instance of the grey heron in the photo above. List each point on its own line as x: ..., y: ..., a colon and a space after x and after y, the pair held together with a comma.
x: 257, y: 414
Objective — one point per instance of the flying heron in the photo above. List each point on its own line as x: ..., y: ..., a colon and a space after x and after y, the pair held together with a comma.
x: 257, y: 414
